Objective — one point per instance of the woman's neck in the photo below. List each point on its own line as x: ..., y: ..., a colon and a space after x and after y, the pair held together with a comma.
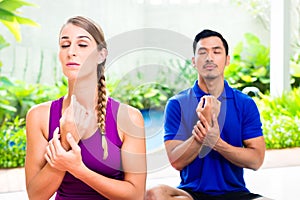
x: 85, y: 92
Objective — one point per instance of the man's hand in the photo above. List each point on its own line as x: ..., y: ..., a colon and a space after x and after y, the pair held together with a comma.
x: 206, y: 131
x: 208, y: 106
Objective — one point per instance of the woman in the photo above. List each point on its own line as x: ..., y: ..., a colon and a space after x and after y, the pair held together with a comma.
x: 84, y: 145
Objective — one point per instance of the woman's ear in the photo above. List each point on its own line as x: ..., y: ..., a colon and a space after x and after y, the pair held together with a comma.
x: 102, y: 55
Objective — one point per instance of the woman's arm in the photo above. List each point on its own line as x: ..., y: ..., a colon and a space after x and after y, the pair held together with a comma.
x: 131, y: 131
x: 42, y: 180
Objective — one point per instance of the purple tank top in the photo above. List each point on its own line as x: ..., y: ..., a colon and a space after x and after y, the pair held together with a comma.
x: 92, y: 152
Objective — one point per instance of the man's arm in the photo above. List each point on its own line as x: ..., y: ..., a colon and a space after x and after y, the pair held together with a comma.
x: 181, y: 153
x: 251, y: 156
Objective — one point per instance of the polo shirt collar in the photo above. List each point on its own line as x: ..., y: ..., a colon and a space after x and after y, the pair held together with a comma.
x: 226, y: 94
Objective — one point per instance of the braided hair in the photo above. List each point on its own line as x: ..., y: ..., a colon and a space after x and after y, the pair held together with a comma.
x: 95, y: 30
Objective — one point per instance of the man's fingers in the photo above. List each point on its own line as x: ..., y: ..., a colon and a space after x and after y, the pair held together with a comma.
x: 214, y: 120
x: 200, y: 105
x: 196, y: 136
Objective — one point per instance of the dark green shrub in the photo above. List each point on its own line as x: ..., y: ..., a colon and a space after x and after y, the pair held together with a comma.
x: 12, y: 144
x: 16, y: 98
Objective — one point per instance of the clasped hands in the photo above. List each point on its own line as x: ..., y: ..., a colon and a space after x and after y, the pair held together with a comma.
x: 206, y: 130
x: 62, y: 151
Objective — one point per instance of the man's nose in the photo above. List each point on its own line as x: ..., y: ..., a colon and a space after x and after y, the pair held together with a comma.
x: 209, y: 57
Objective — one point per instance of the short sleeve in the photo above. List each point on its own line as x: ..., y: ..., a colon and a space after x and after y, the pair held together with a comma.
x: 172, y: 119
x: 251, y: 123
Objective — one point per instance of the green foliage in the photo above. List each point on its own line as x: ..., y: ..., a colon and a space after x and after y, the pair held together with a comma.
x: 18, y: 96
x: 250, y: 65
x: 16, y: 99
x: 9, y: 16
x: 152, y: 95
x: 281, y: 119
x: 295, y: 69
x: 12, y: 144
x: 280, y: 116
x: 141, y: 95
x: 186, y: 72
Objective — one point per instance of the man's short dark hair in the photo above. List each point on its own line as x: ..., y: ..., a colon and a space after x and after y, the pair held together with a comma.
x: 209, y: 33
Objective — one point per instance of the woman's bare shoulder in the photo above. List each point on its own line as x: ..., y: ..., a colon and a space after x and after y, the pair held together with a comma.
x: 130, y: 121
x: 132, y: 113
x: 39, y: 109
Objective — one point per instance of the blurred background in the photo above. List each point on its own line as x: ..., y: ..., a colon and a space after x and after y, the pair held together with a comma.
x: 150, y: 51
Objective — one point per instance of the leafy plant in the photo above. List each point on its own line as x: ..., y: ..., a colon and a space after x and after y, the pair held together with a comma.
x: 146, y: 96
x: 187, y: 72
x: 281, y: 119
x: 10, y: 17
x: 250, y: 65
x: 12, y: 143
x: 18, y: 96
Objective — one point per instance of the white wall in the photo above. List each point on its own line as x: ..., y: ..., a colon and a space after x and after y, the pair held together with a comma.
x: 39, y: 45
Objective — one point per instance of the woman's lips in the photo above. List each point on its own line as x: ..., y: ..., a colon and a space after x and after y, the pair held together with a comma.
x: 72, y: 64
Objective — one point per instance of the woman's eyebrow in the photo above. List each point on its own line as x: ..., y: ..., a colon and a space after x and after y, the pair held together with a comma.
x: 80, y: 37
x: 84, y: 36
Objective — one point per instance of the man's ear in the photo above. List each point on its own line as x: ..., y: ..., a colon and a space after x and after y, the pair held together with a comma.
x: 193, y: 61
x: 227, y: 60
x: 102, y: 55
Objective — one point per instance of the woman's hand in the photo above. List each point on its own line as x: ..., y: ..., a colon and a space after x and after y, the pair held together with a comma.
x: 75, y: 120
x: 58, y: 157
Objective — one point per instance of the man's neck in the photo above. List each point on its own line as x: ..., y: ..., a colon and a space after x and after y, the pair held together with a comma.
x: 214, y: 87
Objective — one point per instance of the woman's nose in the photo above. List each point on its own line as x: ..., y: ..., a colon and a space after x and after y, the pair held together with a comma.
x: 72, y: 50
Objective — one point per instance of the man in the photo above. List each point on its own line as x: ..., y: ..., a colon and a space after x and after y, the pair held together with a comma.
x: 212, y: 131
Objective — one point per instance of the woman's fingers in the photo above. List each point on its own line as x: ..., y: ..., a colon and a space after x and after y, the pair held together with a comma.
x: 72, y: 142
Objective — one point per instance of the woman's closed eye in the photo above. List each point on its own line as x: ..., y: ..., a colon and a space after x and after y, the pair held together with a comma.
x: 82, y: 45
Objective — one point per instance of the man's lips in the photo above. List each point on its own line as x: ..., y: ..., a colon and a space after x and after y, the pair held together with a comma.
x: 210, y: 66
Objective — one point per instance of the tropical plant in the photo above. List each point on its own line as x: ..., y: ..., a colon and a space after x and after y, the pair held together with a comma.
x: 18, y: 96
x: 281, y: 119
x: 10, y: 17
x: 145, y: 96
x: 250, y: 65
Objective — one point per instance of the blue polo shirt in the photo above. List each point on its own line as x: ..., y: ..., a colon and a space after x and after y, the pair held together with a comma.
x: 239, y: 120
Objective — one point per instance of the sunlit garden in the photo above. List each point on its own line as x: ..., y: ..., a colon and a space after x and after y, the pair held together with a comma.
x: 249, y: 71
